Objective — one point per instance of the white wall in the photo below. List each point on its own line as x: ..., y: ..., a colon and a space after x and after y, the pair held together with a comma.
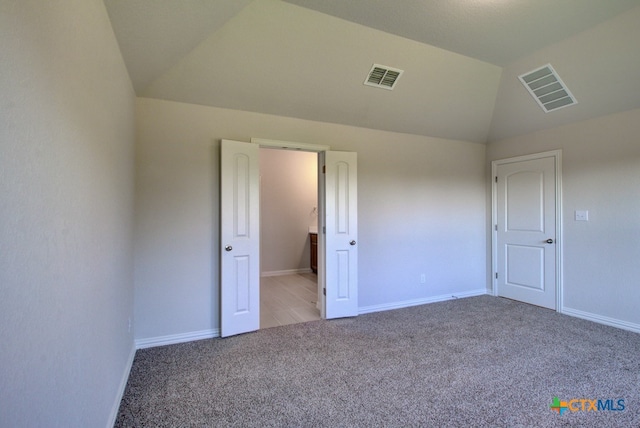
x: 288, y: 194
x: 421, y: 210
x: 66, y: 215
x: 601, y: 174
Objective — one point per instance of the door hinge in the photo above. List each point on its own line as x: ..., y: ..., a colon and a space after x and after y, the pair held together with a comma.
x: 496, y: 275
x: 496, y: 227
x: 324, y: 169
x: 324, y: 291
x: 496, y: 178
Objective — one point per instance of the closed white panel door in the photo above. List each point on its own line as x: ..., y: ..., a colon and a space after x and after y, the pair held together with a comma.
x: 341, y: 233
x: 239, y: 233
x: 526, y: 231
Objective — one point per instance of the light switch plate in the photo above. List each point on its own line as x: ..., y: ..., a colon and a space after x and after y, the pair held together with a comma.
x: 582, y: 215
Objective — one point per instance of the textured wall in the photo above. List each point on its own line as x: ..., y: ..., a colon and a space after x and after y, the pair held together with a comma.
x: 601, y: 174
x: 66, y: 214
x: 421, y: 210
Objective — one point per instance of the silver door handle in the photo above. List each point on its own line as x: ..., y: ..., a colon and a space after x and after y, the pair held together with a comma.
x: 549, y: 241
x: 228, y: 248
x: 352, y: 243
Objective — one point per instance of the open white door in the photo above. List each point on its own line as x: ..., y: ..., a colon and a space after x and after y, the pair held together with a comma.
x: 239, y: 237
x: 338, y: 250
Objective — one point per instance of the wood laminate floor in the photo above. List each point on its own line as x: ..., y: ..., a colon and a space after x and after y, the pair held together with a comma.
x: 288, y: 299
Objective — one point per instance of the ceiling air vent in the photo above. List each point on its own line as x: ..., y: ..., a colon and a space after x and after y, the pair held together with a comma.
x: 547, y: 88
x: 383, y: 77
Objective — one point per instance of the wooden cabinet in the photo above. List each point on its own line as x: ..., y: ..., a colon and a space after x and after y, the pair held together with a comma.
x: 313, y: 238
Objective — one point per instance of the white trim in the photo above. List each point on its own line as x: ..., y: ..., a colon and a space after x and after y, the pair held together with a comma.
x: 123, y: 385
x: 290, y: 145
x: 172, y: 339
x: 557, y: 155
x: 417, y: 302
x: 612, y: 322
x: 285, y: 272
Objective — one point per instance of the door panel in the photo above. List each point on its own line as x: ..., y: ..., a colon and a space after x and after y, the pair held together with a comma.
x: 239, y: 233
x: 525, y: 208
x: 526, y: 220
x: 242, y: 285
x: 342, y: 264
x: 339, y: 216
x: 524, y: 266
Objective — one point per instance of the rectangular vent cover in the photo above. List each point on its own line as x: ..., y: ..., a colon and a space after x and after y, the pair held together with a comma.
x: 383, y: 77
x: 547, y: 88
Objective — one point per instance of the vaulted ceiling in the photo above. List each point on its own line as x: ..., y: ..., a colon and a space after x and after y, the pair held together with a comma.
x: 461, y: 58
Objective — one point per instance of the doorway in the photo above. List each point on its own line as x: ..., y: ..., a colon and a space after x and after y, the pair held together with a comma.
x: 527, y: 229
x: 240, y: 233
x: 288, y: 217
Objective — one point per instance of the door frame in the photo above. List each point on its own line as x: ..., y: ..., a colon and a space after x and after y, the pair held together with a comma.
x: 557, y: 156
x: 314, y: 148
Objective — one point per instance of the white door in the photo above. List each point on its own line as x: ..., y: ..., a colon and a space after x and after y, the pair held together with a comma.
x: 526, y: 230
x: 338, y: 245
x: 239, y: 237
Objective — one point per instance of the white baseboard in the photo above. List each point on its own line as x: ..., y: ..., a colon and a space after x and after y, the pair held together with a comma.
x: 424, y: 301
x: 123, y: 384
x: 172, y: 339
x: 286, y: 272
x: 612, y: 322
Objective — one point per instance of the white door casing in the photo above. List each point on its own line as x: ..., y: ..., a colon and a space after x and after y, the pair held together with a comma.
x: 315, y: 148
x: 526, y: 229
x: 239, y: 238
x: 338, y: 245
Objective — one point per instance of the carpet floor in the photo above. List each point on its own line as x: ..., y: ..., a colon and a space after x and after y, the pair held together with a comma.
x: 475, y: 362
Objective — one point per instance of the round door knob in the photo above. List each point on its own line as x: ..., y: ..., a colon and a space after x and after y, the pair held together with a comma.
x: 228, y: 248
x: 549, y: 241
x: 352, y: 243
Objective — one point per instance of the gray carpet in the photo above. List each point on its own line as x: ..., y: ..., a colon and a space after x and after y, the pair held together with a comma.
x: 476, y: 362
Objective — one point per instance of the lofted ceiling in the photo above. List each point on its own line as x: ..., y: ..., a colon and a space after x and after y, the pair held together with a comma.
x: 309, y: 58
x: 495, y: 31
